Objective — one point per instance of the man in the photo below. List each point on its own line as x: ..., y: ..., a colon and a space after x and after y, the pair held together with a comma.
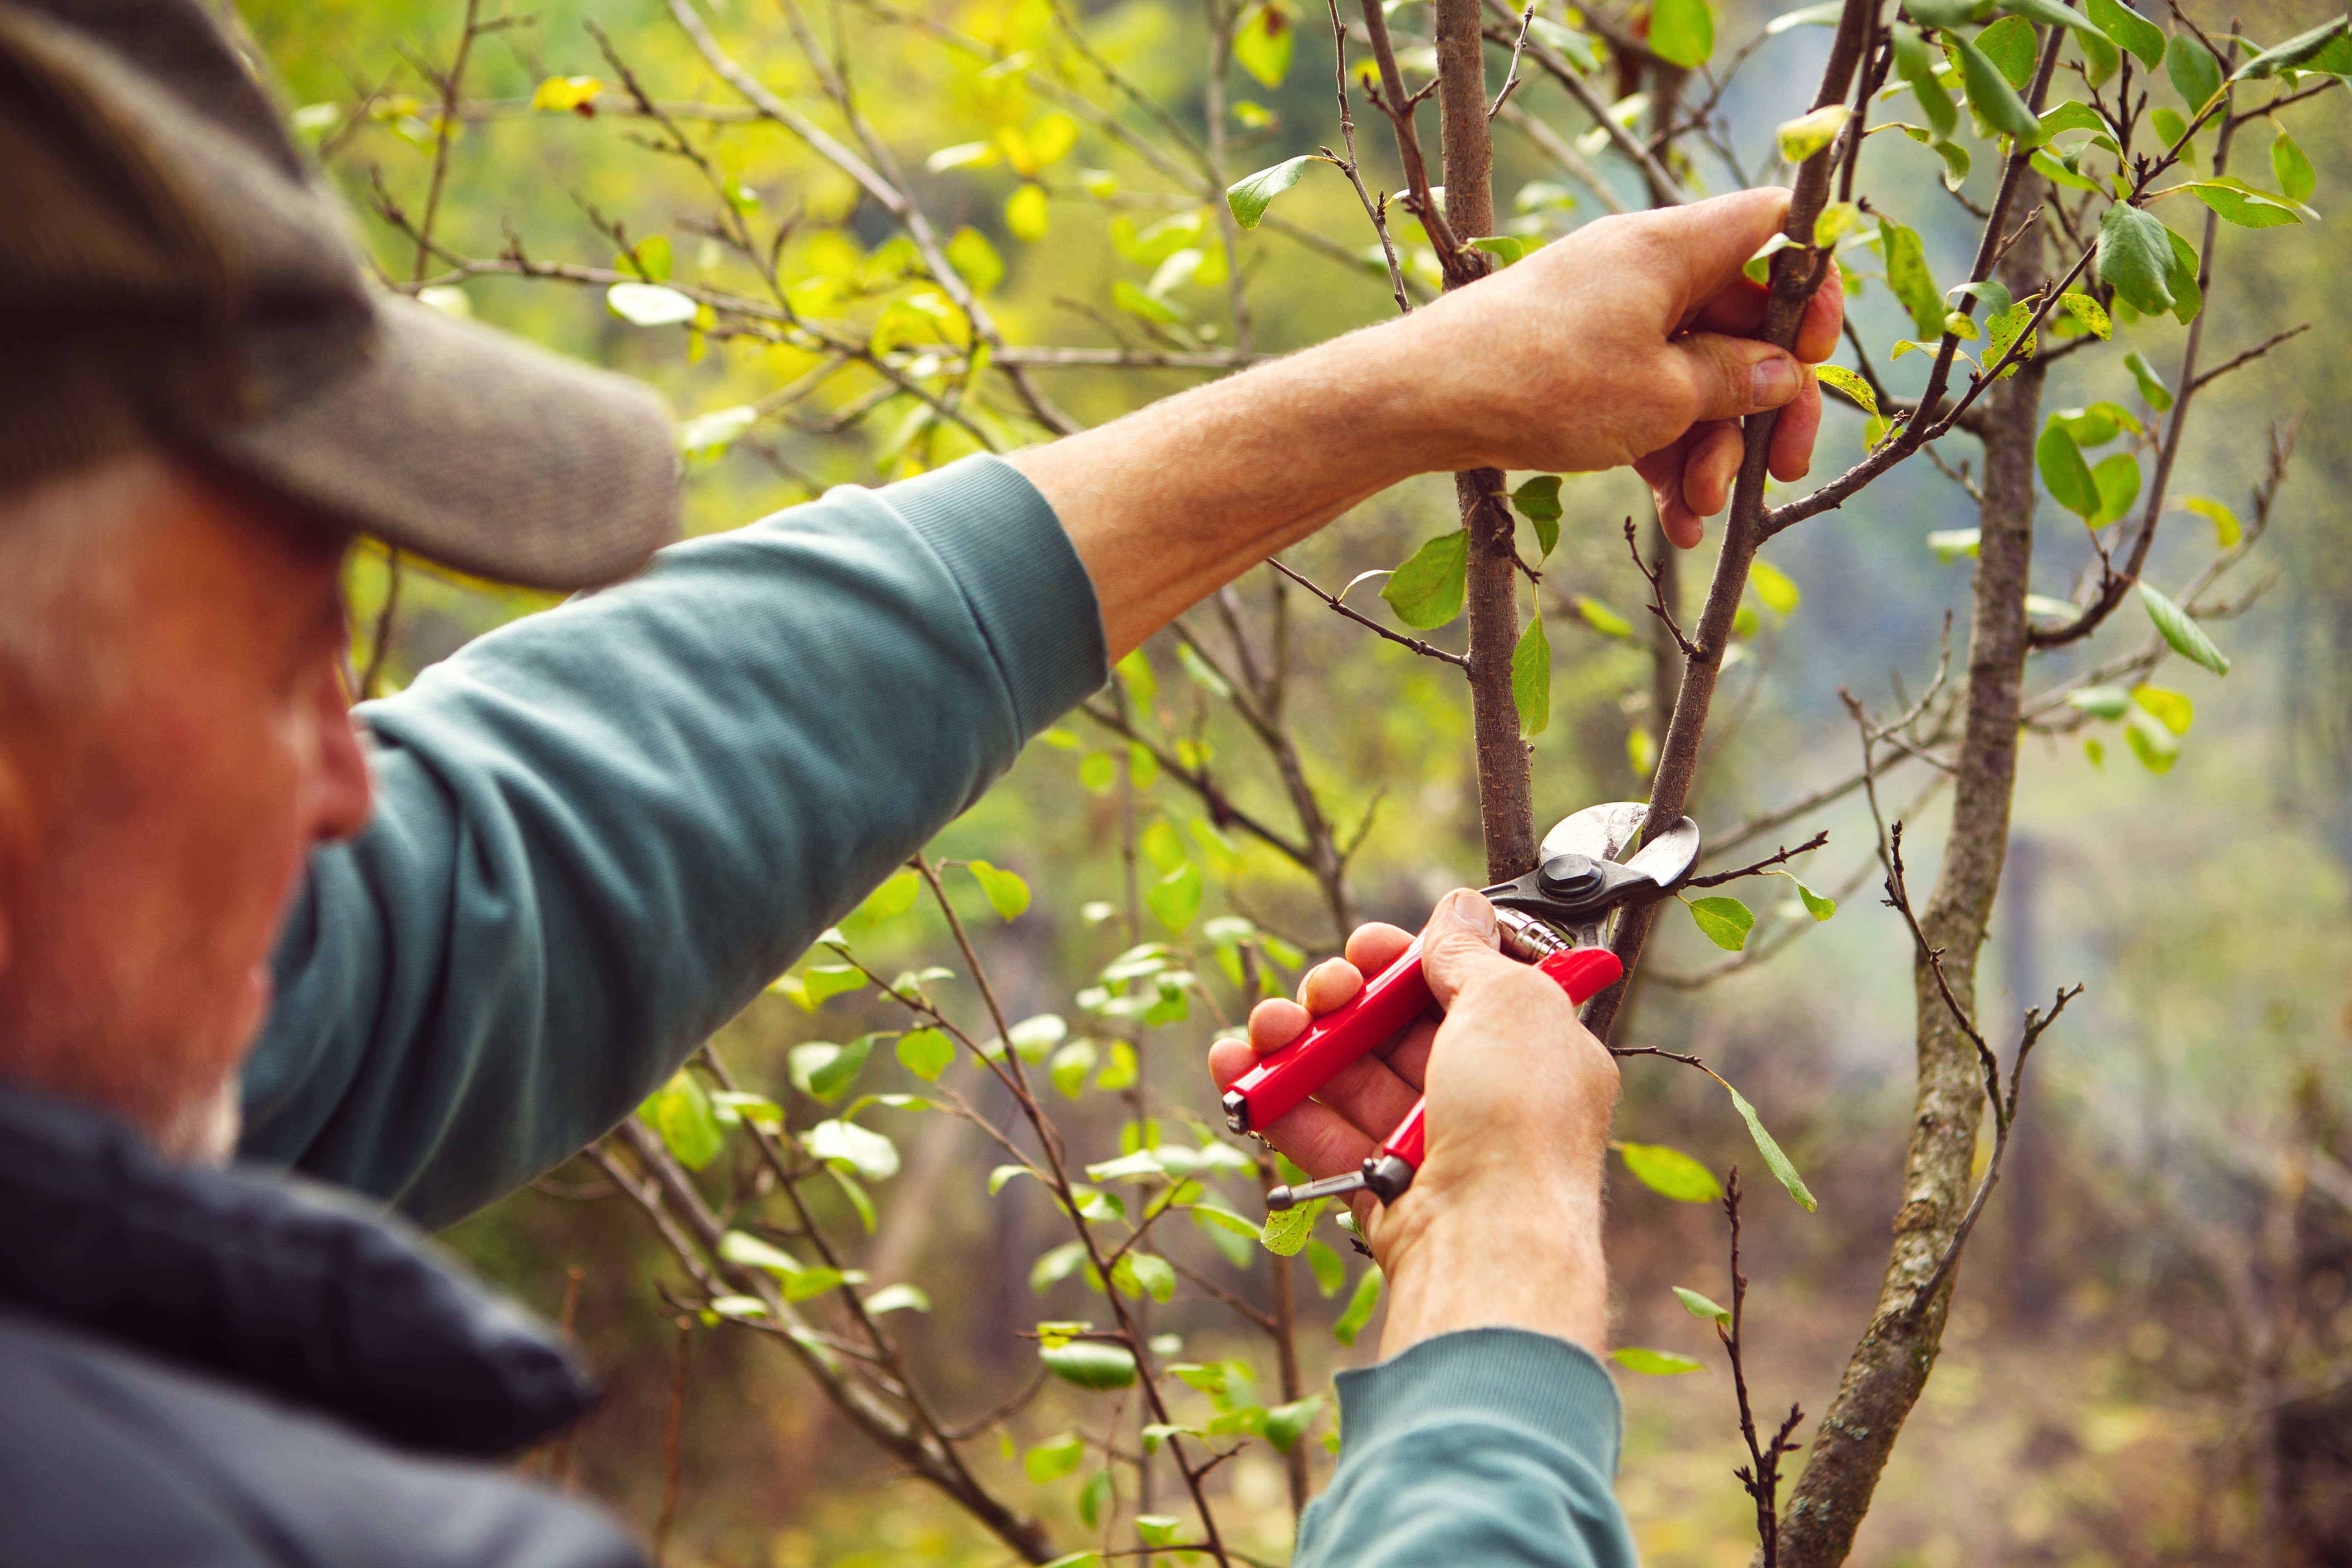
x: 597, y: 834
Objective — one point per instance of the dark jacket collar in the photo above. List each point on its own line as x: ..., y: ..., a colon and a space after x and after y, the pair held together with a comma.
x: 269, y: 1282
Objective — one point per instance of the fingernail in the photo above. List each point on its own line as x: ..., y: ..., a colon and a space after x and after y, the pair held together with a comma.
x: 1468, y: 908
x: 1774, y: 382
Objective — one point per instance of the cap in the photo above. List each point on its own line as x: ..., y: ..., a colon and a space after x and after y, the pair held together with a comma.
x: 172, y: 272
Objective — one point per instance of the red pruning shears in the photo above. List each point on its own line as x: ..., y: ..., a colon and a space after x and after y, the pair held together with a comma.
x: 1551, y: 917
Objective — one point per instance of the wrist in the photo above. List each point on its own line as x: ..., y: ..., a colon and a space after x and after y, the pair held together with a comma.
x: 1530, y: 1258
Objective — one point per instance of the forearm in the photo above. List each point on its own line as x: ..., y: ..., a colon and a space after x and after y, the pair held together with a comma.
x: 1172, y: 502
x: 1529, y: 1260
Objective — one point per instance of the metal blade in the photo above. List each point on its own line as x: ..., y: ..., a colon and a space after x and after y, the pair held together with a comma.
x: 1601, y: 831
x: 1668, y: 858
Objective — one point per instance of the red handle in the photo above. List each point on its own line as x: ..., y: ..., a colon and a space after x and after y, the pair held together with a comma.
x: 1273, y: 1089
x: 1583, y: 973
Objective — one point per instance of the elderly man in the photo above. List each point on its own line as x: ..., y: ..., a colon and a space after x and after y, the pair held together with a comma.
x: 433, y: 955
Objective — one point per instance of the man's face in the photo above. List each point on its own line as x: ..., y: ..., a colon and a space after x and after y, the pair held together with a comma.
x: 151, y: 837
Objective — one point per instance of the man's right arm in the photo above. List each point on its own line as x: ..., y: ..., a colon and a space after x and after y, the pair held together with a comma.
x: 1488, y: 1433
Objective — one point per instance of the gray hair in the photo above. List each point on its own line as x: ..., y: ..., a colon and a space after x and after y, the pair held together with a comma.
x: 61, y: 592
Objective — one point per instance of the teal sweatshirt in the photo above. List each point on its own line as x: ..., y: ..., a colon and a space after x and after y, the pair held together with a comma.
x: 599, y: 832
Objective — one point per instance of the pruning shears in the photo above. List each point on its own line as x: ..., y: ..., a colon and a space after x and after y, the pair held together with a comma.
x: 1552, y: 917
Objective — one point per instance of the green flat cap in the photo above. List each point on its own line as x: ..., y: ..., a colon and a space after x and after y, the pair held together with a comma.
x: 172, y: 272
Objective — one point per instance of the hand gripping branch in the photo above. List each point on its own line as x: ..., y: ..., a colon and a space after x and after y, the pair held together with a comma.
x: 1551, y: 917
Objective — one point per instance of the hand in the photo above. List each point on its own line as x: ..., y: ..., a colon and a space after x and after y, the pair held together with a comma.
x: 1502, y: 1225
x: 1629, y: 342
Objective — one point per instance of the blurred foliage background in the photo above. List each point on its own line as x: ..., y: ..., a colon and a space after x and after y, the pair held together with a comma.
x: 2156, y: 1308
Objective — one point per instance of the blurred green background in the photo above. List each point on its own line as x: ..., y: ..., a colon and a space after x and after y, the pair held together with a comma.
x: 2154, y: 1317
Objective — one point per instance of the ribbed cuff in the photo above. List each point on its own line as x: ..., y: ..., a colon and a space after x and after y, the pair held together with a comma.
x: 1553, y: 1388
x: 1028, y: 587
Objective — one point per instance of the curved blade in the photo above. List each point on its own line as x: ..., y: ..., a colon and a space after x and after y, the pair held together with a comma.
x: 1667, y: 858
x: 1599, y: 831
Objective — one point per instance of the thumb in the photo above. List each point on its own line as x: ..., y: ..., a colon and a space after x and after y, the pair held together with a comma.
x: 1707, y: 243
x: 1458, y: 944
x: 1723, y: 377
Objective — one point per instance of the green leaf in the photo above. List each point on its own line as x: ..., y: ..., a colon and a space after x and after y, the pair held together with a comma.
x: 1264, y: 43
x: 1330, y: 1273
x: 1819, y: 907
x: 1950, y: 543
x: 1070, y: 1066
x: 975, y: 260
x: 1026, y: 214
x: 1286, y: 1423
x: 1149, y: 306
x: 1287, y: 1230
x: 2241, y: 203
x: 707, y: 436
x: 2187, y: 638
x: 2294, y: 52
x: 2118, y: 481
x: 1915, y: 62
x: 2188, y: 296
x: 2135, y: 258
x: 1537, y: 501
x: 895, y: 897
x: 2100, y: 701
x: 2010, y: 43
x: 1427, y: 591
x: 1601, y: 618
x: 1531, y: 679
x: 1989, y: 92
x: 1907, y: 276
x: 2226, y: 530
x: 1202, y: 673
x: 1089, y: 1364
x: 1249, y: 198
x: 1682, y: 32
x: 1008, y: 895
x: 1773, y: 1158
x: 1122, y: 1071
x: 1773, y: 585
x: 1156, y: 1529
x: 649, y: 304
x: 1698, y: 1305
x: 2196, y: 74
x: 1093, y: 1498
x: 2098, y: 424
x: 2126, y: 26
x: 1141, y: 1274
x: 1359, y: 1310
x: 898, y: 1298
x: 2296, y: 178
x: 2050, y: 14
x: 566, y: 92
x: 1725, y: 921
x: 1657, y: 1364
x: 1807, y: 134
x: 862, y: 1149
x: 749, y: 1251
x: 2152, y: 389
x: 2172, y: 130
x: 681, y: 1113
x: 821, y: 1069
x: 1504, y: 248
x: 2156, y: 747
x: 925, y: 1053
x: 1056, y: 1264
x: 2173, y: 709
x: 1671, y: 1172
x: 1054, y: 1457
x: 1850, y: 384
x: 739, y: 1307
x: 1175, y: 898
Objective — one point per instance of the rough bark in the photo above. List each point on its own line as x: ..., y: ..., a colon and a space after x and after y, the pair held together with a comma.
x: 1890, y: 1364
x: 1505, y: 801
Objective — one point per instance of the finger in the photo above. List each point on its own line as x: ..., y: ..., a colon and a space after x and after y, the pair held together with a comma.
x: 1712, y: 467
x: 1700, y: 248
x: 1739, y: 310
x: 1824, y: 319
x: 1459, y: 944
x: 1793, y: 433
x: 1723, y: 377
x: 1376, y: 944
x: 1371, y: 1095
x: 1329, y: 985
x: 1325, y: 1139
x: 1662, y: 470
x: 1275, y: 1023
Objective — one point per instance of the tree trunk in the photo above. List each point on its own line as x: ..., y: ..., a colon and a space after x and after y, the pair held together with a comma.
x: 1891, y: 1362
x: 1505, y: 801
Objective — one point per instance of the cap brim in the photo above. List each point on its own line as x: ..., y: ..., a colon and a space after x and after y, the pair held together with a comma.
x: 476, y: 451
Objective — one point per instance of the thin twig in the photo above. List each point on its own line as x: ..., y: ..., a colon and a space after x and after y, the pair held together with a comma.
x: 1426, y: 650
